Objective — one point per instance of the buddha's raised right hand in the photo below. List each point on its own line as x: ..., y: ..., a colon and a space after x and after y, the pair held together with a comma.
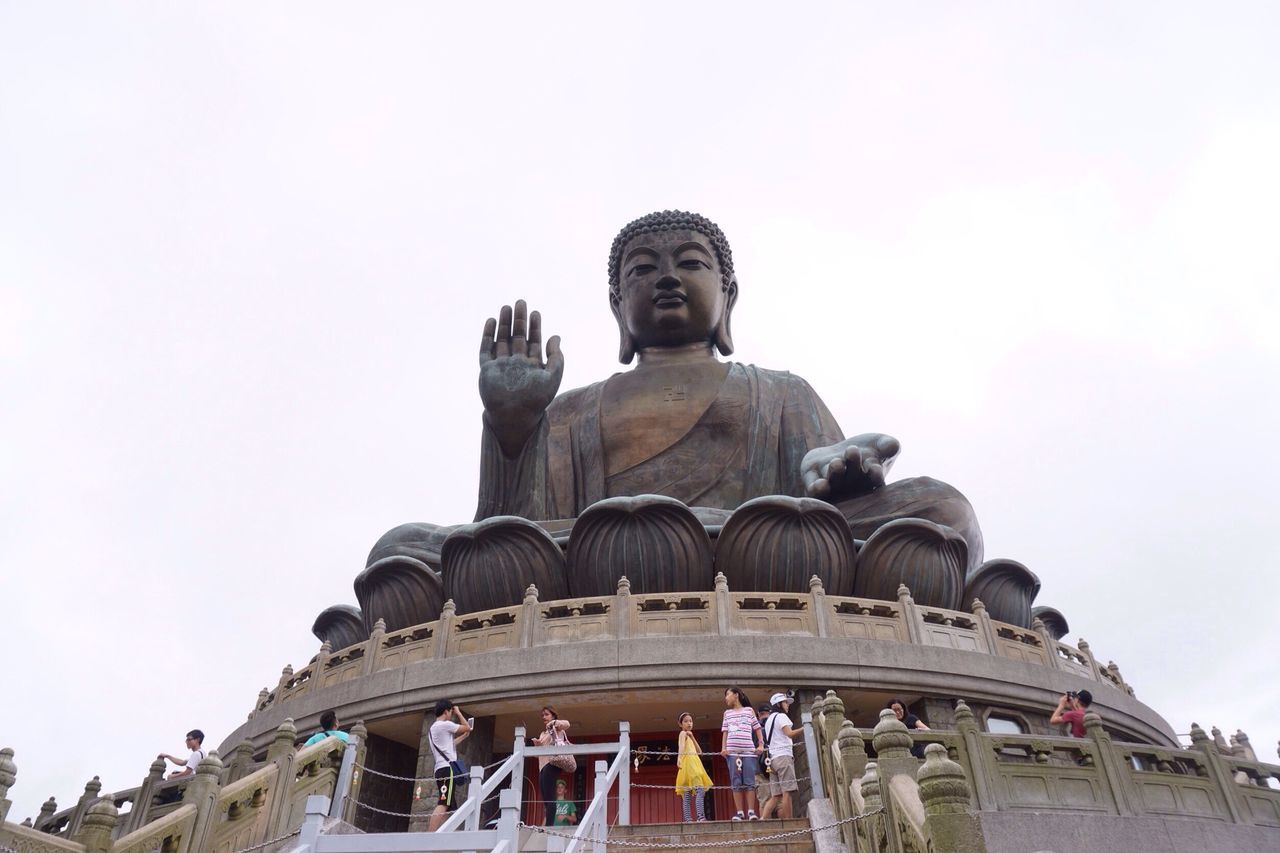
x: 516, y: 385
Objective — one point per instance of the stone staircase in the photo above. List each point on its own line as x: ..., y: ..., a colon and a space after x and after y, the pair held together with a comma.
x: 753, y: 836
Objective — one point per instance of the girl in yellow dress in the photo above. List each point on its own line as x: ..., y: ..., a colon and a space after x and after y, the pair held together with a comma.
x: 692, y: 781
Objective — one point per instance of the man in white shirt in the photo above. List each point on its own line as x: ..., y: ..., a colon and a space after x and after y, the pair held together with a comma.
x: 778, y: 734
x: 445, y: 734
x: 195, y: 738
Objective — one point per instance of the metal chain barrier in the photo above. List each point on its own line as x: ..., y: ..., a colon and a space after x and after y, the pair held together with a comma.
x: 269, y: 843
x: 364, y: 768
x: 746, y: 841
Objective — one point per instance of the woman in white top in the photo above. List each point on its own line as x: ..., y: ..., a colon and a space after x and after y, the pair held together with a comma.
x: 553, y: 734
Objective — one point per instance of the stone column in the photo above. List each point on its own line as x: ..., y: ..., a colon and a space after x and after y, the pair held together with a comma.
x: 202, y: 792
x: 444, y: 627
x: 146, y: 796
x: 95, y: 829
x: 985, y: 628
x: 47, y: 810
x: 976, y: 757
x: 8, y: 775
x: 910, y: 617
x: 1108, y: 763
x: 723, y: 605
x: 821, y: 614
x: 92, y: 789
x: 945, y: 794
x: 1219, y: 773
x: 373, y: 648
x: 528, y: 617
x: 622, y: 609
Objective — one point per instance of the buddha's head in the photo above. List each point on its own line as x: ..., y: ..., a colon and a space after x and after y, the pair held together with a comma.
x: 671, y: 283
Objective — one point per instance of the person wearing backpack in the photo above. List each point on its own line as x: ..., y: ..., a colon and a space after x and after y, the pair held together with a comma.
x: 781, y: 768
x: 195, y: 739
x: 444, y: 735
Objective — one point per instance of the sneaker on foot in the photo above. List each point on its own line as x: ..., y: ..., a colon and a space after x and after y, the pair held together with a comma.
x: 738, y: 816
x: 752, y: 816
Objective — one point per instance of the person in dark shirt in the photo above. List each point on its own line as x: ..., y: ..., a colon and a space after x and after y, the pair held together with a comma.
x: 911, y: 721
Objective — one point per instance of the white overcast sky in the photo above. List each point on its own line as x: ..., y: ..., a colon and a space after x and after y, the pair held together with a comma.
x: 246, y: 253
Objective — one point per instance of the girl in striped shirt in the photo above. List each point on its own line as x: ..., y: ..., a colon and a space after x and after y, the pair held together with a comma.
x: 743, y: 742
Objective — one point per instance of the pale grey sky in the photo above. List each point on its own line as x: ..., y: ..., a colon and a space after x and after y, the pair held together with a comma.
x: 246, y: 253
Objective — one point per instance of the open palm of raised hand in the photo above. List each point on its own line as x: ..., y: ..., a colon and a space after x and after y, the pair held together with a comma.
x: 516, y: 384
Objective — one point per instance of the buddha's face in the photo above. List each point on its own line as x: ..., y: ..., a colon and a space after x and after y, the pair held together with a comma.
x: 670, y: 290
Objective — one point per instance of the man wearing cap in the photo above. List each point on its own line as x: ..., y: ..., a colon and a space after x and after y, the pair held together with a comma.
x: 780, y: 763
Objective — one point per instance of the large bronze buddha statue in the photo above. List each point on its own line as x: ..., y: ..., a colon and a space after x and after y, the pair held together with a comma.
x: 686, y: 438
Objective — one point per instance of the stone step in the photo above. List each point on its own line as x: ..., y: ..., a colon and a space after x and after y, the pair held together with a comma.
x: 694, y: 836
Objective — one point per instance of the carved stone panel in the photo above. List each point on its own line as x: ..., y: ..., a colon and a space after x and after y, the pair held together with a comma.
x: 655, y: 541
x: 777, y: 543
x: 400, y: 590
x: 491, y: 563
x: 929, y: 558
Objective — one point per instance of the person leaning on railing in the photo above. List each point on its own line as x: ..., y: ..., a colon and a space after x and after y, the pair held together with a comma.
x: 1071, y: 709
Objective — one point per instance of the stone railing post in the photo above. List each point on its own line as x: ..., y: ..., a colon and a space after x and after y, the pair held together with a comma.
x: 1047, y: 640
x: 318, y: 666
x: 821, y: 614
x: 852, y: 763
x: 444, y: 627
x: 874, y: 797
x: 95, y: 829
x: 8, y: 775
x: 146, y: 796
x: 1245, y: 748
x: 373, y: 647
x: 1083, y: 645
x: 241, y: 761
x: 622, y: 610
x: 360, y: 735
x: 283, y: 755
x: 47, y: 810
x: 832, y: 720
x: 263, y: 695
x: 1115, y: 673
x: 92, y: 789
x: 286, y: 675
x: 1218, y: 772
x: 976, y: 757
x: 202, y: 792
x: 528, y: 618
x: 945, y: 794
x: 1109, y: 763
x: 985, y: 628
x: 892, y: 743
x: 811, y: 750
x: 910, y: 616
x: 723, y: 605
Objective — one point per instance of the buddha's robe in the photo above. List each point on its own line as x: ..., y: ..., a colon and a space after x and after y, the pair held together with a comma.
x: 749, y: 442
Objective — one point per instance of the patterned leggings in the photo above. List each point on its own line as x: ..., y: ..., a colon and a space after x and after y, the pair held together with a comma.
x: 690, y: 799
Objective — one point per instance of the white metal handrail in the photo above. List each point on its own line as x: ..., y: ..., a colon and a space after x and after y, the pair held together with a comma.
x: 595, y: 819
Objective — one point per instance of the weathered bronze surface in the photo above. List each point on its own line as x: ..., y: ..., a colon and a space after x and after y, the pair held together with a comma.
x: 685, y: 425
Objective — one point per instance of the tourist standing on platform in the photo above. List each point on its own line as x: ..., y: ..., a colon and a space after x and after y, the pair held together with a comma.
x: 741, y: 731
x: 549, y: 766
x: 445, y: 735
x: 692, y: 781
x: 566, y: 809
x: 191, y: 763
x: 1071, y: 710
x: 911, y: 721
x: 762, y: 767
x: 778, y: 735
x: 328, y: 728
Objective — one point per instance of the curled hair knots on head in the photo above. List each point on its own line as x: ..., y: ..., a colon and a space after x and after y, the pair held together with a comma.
x: 670, y: 220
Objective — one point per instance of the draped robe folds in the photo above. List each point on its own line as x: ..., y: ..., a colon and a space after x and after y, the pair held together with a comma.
x: 749, y: 442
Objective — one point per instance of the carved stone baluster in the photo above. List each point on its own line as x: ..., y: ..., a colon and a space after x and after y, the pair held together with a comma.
x: 373, y: 648
x: 529, y: 616
x: 202, y: 792
x: 1219, y: 773
x: 146, y: 797
x: 8, y: 775
x: 1109, y: 764
x: 945, y: 794
x: 1083, y: 645
x: 97, y: 826
x: 821, y: 610
x: 622, y: 610
x: 360, y: 735
x: 1048, y: 641
x: 985, y: 628
x: 92, y: 789
x: 910, y: 616
x: 444, y: 627
x: 286, y: 675
x: 47, y: 810
x: 724, y: 605
x: 978, y: 758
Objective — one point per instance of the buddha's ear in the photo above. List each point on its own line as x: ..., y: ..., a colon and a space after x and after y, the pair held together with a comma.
x: 724, y: 337
x: 627, y: 344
